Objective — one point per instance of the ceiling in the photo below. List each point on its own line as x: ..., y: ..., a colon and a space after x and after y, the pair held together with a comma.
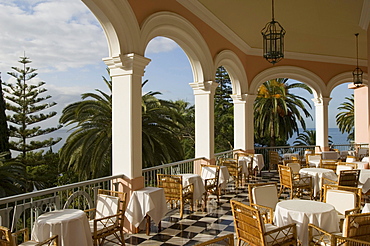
x: 322, y: 29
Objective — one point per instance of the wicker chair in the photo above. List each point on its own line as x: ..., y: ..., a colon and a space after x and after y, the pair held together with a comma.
x: 265, y: 196
x: 24, y: 233
x: 329, y: 164
x: 274, y: 160
x: 234, y: 169
x: 295, y: 168
x: 294, y: 183
x: 5, y: 236
x: 357, y: 226
x: 250, y: 174
x: 346, y: 200
x: 227, y: 240
x: 210, y: 175
x: 318, y: 236
x: 313, y: 160
x: 108, y: 216
x: 176, y: 194
x: 249, y: 228
x: 345, y: 178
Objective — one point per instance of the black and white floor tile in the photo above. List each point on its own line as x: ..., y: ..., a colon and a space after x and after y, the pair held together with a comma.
x: 198, y: 226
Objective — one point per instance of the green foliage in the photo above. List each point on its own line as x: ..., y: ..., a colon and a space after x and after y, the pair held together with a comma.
x: 308, y: 137
x: 224, y: 112
x: 88, y: 149
x: 277, y: 111
x: 4, y: 131
x: 26, y: 107
x: 42, y: 170
x: 12, y: 174
x: 161, y: 121
x: 187, y: 132
x: 346, y: 118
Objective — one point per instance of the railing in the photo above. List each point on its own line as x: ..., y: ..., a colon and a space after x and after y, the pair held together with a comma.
x: 185, y: 166
x: 22, y: 210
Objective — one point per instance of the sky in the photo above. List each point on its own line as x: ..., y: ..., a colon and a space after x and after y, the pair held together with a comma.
x: 66, y: 44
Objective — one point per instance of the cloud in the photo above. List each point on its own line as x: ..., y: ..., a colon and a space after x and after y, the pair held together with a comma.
x: 161, y: 44
x: 56, y: 35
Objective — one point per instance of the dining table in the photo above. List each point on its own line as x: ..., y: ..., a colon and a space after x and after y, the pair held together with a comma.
x: 223, y: 177
x: 317, y: 174
x: 196, y: 180
x: 257, y: 163
x: 71, y: 226
x: 303, y: 212
x: 149, y: 203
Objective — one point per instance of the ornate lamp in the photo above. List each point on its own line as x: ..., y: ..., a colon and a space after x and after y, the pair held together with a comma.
x: 357, y: 73
x: 273, y: 40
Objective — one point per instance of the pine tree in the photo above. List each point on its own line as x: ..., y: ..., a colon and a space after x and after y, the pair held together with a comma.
x: 4, y: 131
x: 26, y: 106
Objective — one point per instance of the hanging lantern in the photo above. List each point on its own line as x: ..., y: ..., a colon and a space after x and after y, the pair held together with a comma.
x: 273, y: 40
x: 357, y: 73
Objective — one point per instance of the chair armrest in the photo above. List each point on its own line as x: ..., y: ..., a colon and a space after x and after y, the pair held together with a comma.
x: 49, y: 240
x: 328, y: 181
x: 321, y: 236
x: 188, y: 189
x: 266, y: 212
x: 88, y: 212
x: 356, y: 210
x: 283, y: 232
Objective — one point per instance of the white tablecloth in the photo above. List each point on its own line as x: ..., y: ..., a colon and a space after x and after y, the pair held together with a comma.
x: 317, y: 174
x: 71, y: 225
x: 257, y: 162
x: 223, y: 178
x: 361, y: 164
x: 196, y: 180
x: 303, y: 212
x: 366, y: 208
x: 364, y: 180
x: 147, y: 201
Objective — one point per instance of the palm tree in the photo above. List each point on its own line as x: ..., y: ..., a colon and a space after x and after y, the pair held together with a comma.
x: 346, y: 118
x: 88, y: 150
x: 276, y: 110
x: 12, y: 176
x: 161, y: 121
x: 308, y: 137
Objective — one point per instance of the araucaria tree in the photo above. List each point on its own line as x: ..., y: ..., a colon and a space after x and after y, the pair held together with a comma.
x: 26, y: 108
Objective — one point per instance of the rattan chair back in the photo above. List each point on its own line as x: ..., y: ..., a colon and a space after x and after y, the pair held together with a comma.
x: 176, y: 194
x: 211, y: 182
x: 5, y: 236
x: 357, y: 226
x: 349, y: 178
x: 234, y: 169
x: 249, y: 228
x: 274, y: 160
x: 357, y: 191
x: 296, y: 184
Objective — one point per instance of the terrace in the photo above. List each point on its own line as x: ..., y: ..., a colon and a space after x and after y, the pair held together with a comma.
x: 22, y: 210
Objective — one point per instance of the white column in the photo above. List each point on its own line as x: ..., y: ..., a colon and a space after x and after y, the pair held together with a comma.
x: 322, y: 125
x: 244, y: 122
x: 126, y: 72
x: 204, y: 118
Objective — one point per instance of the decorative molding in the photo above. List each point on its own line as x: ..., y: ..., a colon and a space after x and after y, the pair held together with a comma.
x: 205, y: 15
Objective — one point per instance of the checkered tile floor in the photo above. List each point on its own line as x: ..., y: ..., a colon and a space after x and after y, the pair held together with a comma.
x: 196, y: 227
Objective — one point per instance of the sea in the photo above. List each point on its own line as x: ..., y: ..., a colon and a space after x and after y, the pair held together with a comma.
x: 336, y: 136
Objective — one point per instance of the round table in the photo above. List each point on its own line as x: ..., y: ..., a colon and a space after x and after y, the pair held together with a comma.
x: 71, y: 225
x: 317, y: 174
x: 303, y: 212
